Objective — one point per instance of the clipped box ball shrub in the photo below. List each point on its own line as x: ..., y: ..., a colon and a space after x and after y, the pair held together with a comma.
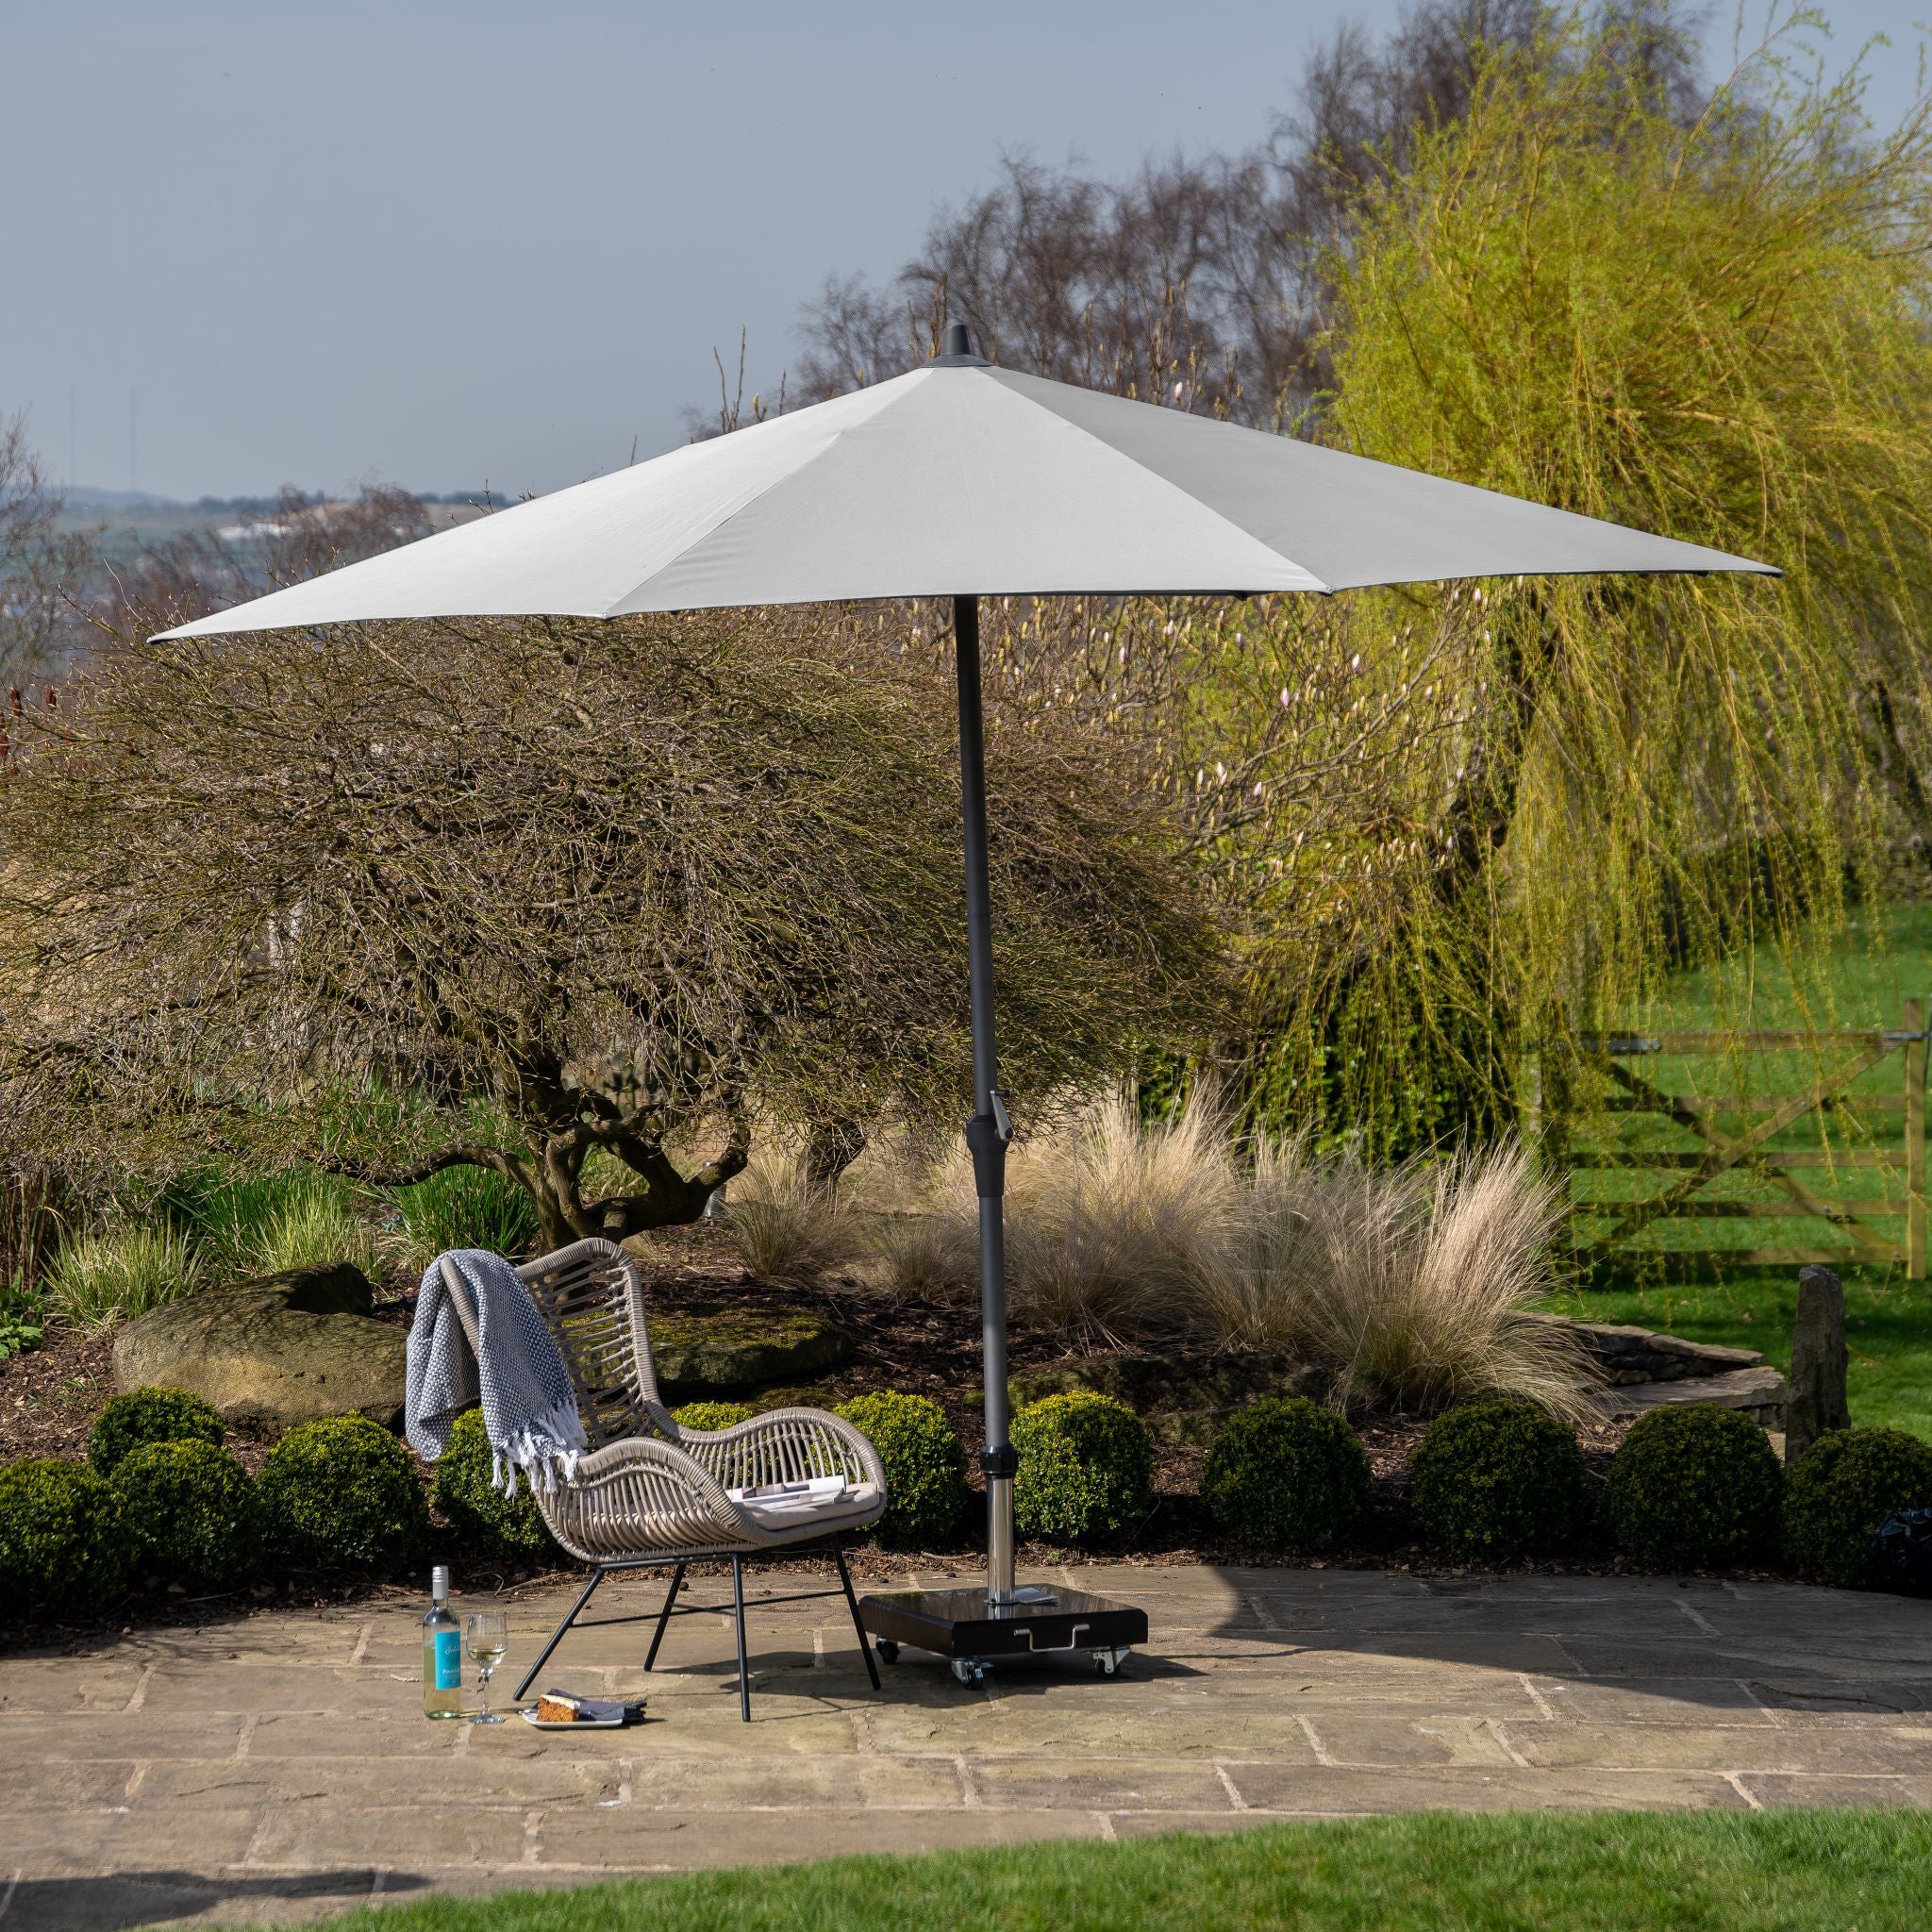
x: 926, y: 1464
x: 1086, y: 1469
x: 342, y: 1493
x: 142, y: 1416
x: 1284, y: 1475
x: 478, y: 1511
x: 709, y: 1418
x: 1842, y: 1488
x: 63, y: 1550
x: 1499, y: 1479
x: 193, y: 1515
x: 1694, y: 1489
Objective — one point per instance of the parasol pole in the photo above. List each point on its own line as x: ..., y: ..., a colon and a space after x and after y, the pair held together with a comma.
x: 988, y: 1131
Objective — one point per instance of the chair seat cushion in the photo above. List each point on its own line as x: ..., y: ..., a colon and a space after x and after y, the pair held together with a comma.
x: 858, y: 1503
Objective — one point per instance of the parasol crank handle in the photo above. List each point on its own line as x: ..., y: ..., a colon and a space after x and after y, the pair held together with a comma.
x: 988, y: 1135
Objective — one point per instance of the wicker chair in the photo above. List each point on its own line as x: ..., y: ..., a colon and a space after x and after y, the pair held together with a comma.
x: 650, y: 1494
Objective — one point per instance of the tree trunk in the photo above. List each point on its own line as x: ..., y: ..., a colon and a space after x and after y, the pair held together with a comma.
x: 667, y: 1199
x: 830, y: 1148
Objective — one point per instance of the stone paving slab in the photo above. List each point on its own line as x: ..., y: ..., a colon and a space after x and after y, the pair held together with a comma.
x: 275, y: 1769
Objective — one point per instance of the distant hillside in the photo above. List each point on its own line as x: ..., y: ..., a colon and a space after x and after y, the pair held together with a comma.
x: 85, y: 496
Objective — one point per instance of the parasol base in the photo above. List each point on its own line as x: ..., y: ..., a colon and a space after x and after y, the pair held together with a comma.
x: 972, y: 1635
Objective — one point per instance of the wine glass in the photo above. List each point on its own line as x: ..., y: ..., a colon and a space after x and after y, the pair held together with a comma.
x: 487, y: 1635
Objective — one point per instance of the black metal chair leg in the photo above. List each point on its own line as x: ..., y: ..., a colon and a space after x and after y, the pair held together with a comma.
x: 664, y: 1616
x: 597, y: 1577
x: 872, y: 1669
x: 743, y: 1665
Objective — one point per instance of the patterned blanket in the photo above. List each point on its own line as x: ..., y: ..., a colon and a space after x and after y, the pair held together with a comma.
x: 516, y: 1370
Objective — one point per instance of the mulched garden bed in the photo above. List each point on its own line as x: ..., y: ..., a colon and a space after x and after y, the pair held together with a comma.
x: 50, y: 1397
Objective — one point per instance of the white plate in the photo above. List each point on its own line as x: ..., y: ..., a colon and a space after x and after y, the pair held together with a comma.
x: 575, y: 1724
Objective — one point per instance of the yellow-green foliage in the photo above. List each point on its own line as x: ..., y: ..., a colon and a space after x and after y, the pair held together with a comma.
x: 342, y: 1493
x: 925, y: 1466
x: 710, y: 1418
x: 478, y: 1511
x: 63, y: 1548
x: 1694, y: 1489
x: 117, y: 1273
x: 132, y: 1421
x: 193, y: 1515
x: 1086, y: 1467
x: 1842, y: 1488
x: 1286, y: 1476
x: 1715, y: 332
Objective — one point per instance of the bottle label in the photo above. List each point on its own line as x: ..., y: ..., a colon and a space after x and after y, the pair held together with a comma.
x: 449, y: 1659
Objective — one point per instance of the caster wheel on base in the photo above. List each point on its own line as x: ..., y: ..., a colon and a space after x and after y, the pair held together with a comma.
x: 1108, y: 1661
x: 887, y: 1649
x: 970, y: 1671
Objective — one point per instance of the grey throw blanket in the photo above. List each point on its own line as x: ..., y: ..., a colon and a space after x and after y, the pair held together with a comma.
x: 529, y: 1412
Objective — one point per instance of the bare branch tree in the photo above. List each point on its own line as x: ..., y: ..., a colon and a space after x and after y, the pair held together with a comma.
x: 43, y: 568
x: 637, y: 884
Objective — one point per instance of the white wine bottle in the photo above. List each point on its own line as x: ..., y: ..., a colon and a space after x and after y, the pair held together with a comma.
x: 443, y: 1651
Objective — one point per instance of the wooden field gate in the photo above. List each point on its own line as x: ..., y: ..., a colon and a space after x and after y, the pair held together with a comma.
x: 1734, y: 1135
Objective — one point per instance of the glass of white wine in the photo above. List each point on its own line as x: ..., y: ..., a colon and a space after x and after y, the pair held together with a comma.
x: 486, y: 1635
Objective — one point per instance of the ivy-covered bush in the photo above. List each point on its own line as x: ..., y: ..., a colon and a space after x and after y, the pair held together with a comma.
x: 1284, y: 1475
x: 142, y: 1416
x: 342, y: 1491
x: 1086, y: 1469
x: 1842, y: 1488
x: 1694, y: 1489
x: 193, y: 1515
x: 1499, y: 1479
x: 926, y: 1464
x: 63, y: 1549
x: 709, y: 1418
x: 481, y: 1514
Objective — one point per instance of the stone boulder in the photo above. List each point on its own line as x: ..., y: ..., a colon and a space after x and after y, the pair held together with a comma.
x: 722, y: 1352
x: 287, y: 1349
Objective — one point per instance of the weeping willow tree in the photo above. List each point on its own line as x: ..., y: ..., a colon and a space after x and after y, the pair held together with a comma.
x: 1455, y: 824
x: 1716, y: 330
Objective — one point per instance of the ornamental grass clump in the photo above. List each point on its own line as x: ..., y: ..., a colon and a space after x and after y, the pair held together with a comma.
x: 485, y: 1519
x: 1117, y: 1225
x: 1424, y: 1290
x: 1086, y: 1468
x: 193, y: 1516
x: 925, y: 1463
x: 1498, y: 1480
x: 63, y: 1548
x: 116, y: 1273
x: 786, y: 1227
x: 131, y: 1422
x: 343, y: 1493
x: 1416, y: 1285
x: 1284, y: 1475
x: 1842, y: 1488
x: 1694, y: 1488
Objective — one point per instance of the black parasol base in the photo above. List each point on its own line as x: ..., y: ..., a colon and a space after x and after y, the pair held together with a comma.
x: 972, y: 1635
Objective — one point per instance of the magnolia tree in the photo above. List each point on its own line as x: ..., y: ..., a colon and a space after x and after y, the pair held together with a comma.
x: 560, y: 900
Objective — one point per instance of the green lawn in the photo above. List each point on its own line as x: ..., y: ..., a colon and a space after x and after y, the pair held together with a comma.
x: 1521, y: 1872
x: 1887, y: 1327
x: 1870, y: 975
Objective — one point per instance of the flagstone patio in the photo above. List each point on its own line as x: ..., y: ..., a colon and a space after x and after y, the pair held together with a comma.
x: 276, y: 1767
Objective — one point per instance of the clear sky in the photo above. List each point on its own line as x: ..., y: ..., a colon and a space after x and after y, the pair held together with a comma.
x: 439, y: 245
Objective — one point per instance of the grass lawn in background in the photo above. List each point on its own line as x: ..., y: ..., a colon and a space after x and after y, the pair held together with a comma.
x: 1887, y: 1328
x: 1430, y: 1872
x: 1888, y: 1319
